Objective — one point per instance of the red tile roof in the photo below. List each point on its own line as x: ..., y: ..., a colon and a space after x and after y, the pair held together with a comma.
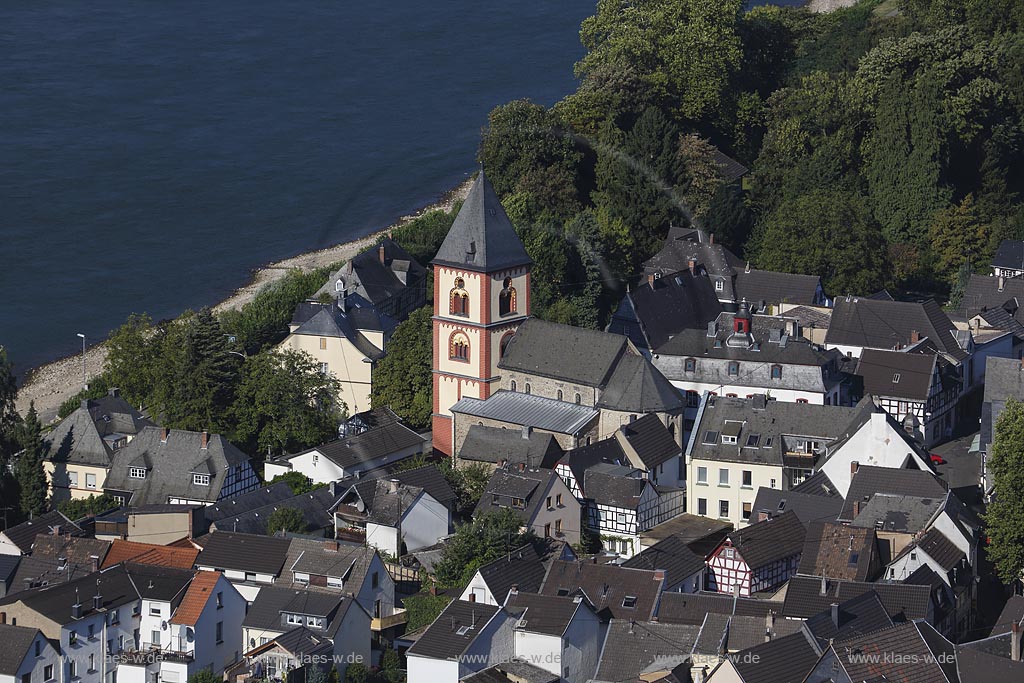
x: 196, y: 597
x: 148, y: 553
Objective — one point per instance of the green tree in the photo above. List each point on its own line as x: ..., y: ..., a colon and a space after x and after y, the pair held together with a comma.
x: 297, y: 482
x: 133, y: 356
x: 316, y: 673
x: 391, y: 666
x: 729, y: 219
x: 286, y: 519
x: 285, y: 404
x: 77, y: 508
x: 1004, y: 520
x: 205, y: 676
x: 422, y: 609
x: 29, y: 468
x: 700, y: 174
x: 525, y: 148
x: 826, y: 233
x: 685, y: 51
x: 422, y: 236
x: 956, y: 237
x: 478, y: 542
x: 356, y: 673
x: 9, y: 418
x: 402, y: 379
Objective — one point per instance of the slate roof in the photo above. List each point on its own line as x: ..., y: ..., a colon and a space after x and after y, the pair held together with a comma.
x: 76, y: 550
x: 896, y: 374
x: 579, y: 460
x: 170, y: 465
x: 328, y: 320
x: 367, y: 446
x: 33, y: 572
x: 252, y: 500
x: 443, y: 640
x: 729, y: 170
x: 513, y: 407
x: 527, y: 484
x: 941, y: 549
x: 493, y: 445
x: 770, y: 421
x: 1004, y: 379
x: 688, y: 244
x: 265, y: 611
x: 777, y: 288
x: 614, y: 485
x: 983, y: 293
x: 672, y: 555
x: 631, y: 647
x: 869, y: 480
x: 1010, y: 255
x: 482, y: 237
x: 430, y: 479
x: 512, y: 672
x: 919, y: 645
x: 656, y: 311
x: 978, y: 665
x: 903, y: 514
x: 857, y: 616
x: 8, y: 567
x: 314, y: 506
x: 544, y: 614
x: 789, y: 658
x: 902, y: 601
x: 807, y: 506
x: 24, y: 535
x: 1013, y: 611
x: 79, y: 438
x: 838, y: 551
x: 300, y: 642
x: 243, y: 552
x: 373, y: 280
x: 149, y: 553
x: 818, y: 484
x: 522, y: 567
x: 325, y: 558
x: 17, y: 642
x: 564, y: 352
x: 55, y: 600
x: 690, y: 608
x: 870, y: 323
x: 606, y: 586
x: 637, y: 386
x: 384, y: 501
x: 773, y: 539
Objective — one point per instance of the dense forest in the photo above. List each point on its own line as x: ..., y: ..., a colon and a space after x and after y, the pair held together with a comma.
x: 882, y: 143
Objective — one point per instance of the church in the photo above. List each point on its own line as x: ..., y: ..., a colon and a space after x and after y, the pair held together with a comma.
x: 493, y: 365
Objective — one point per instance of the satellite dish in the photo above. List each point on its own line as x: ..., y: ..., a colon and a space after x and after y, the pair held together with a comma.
x: 190, y: 634
x: 360, y: 506
x: 163, y: 625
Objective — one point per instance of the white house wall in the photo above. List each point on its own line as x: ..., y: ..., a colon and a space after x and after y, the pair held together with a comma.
x: 582, y: 646
x: 34, y: 666
x: 478, y: 587
x: 877, y: 444
x: 428, y: 670
x: 424, y: 523
x: 352, y: 641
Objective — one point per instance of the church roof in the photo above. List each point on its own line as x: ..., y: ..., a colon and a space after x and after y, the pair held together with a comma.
x: 482, y: 238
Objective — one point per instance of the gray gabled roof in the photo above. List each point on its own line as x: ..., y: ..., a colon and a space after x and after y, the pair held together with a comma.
x: 374, y: 279
x: 789, y: 658
x: 265, y: 612
x: 651, y: 440
x: 984, y: 293
x: 658, y: 310
x: 614, y: 485
x: 313, y: 506
x: 522, y: 567
x: 632, y: 646
x: 637, y: 386
x: 516, y: 408
x: 777, y: 288
x: 870, y: 323
x: 367, y: 446
x: 903, y: 514
x: 24, y: 535
x: 526, y: 484
x: 545, y: 614
x: 897, y: 374
x: 493, y: 445
x: 773, y: 539
x: 252, y: 500
x: 809, y: 595
x: 17, y: 642
x: 1010, y: 254
x: 482, y: 238
x: 807, y: 506
x: 672, y: 555
x: 838, y: 551
x: 242, y: 552
x: 331, y: 321
x: 454, y: 630
x: 564, y: 352
x: 870, y: 480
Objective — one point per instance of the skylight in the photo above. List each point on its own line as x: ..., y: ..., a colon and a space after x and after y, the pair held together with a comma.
x: 752, y: 440
x: 710, y: 437
x: 629, y: 601
x: 896, y: 378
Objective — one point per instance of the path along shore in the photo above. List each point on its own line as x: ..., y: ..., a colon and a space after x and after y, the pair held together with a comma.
x: 51, y: 384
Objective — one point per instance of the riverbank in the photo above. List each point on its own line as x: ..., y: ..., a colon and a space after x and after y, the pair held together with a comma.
x: 51, y: 384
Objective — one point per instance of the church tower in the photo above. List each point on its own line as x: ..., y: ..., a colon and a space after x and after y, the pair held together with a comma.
x: 481, y: 295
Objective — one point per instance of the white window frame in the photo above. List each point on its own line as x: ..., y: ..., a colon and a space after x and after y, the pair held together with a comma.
x: 136, y: 472
x: 723, y: 476
x: 293, y: 619
x: 702, y: 475
x: 72, y: 479
x: 90, y: 480
x: 200, y: 479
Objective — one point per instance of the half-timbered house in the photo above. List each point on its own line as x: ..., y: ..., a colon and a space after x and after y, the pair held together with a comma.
x: 757, y: 558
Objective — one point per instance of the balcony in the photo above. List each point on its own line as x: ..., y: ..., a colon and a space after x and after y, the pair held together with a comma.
x: 152, y: 654
x: 351, y: 535
x: 384, y: 623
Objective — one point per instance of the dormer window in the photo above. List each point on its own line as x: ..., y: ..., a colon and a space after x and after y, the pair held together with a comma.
x: 137, y: 472
x: 294, y: 619
x: 339, y: 285
x: 734, y: 369
x: 690, y: 365
x: 728, y: 439
x: 776, y: 372
x: 201, y: 479
x: 719, y: 285
x: 315, y: 622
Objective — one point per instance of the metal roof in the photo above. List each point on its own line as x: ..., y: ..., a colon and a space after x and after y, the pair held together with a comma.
x: 530, y: 410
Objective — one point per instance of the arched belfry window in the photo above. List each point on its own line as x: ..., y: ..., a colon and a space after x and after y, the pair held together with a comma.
x: 458, y: 347
x: 507, y: 298
x: 458, y: 300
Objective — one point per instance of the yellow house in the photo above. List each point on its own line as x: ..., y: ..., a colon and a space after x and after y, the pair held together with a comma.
x: 346, y: 340
x: 79, y: 449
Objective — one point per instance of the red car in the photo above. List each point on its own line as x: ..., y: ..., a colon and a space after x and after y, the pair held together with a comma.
x: 937, y: 459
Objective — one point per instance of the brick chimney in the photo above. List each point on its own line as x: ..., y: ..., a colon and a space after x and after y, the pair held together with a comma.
x: 693, y: 267
x: 650, y: 279
x: 659, y: 574
x: 380, y: 252
x: 711, y: 238
x: 856, y: 508
x: 331, y: 545
x: 1015, y: 641
x: 163, y: 434
x: 204, y: 439
x: 915, y: 336
x: 854, y: 467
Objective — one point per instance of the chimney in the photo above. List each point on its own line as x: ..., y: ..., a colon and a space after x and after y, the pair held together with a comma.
x: 650, y: 279
x: 854, y: 466
x: 527, y: 430
x: 514, y: 589
x: 915, y: 336
x: 76, y: 610
x: 1002, y: 281
x: 163, y: 434
x: 769, y: 625
x: 659, y: 574
x: 713, y: 328
x: 97, y: 602
x: 747, y: 270
x: 3, y: 618
x: 711, y: 238
x: 392, y: 486
x: 522, y: 467
x: 380, y: 252
x: 331, y: 545
x: 84, y: 405
x: 856, y: 508
x: 823, y: 590
x: 115, y: 392
x: 1015, y: 641
x: 204, y: 439
x: 693, y: 267
x: 762, y: 516
x: 94, y: 563
x: 835, y: 614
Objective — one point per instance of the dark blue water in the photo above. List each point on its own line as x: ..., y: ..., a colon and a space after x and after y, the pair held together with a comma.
x: 153, y: 153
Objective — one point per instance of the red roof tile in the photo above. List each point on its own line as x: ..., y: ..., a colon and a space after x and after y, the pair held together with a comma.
x: 148, y: 553
x: 196, y: 597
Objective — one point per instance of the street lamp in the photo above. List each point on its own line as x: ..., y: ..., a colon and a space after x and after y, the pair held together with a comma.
x: 84, y: 385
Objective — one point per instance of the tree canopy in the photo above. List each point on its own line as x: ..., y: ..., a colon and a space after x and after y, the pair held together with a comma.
x: 477, y: 542
x: 1004, y: 520
x: 402, y: 379
x: 289, y: 520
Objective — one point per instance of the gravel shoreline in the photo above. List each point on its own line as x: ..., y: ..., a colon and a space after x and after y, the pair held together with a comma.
x: 51, y: 384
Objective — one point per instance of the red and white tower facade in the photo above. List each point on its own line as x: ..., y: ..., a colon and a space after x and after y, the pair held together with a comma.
x: 481, y: 295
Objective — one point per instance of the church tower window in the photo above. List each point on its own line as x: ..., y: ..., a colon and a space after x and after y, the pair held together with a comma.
x: 459, y: 298
x: 507, y: 298
x: 458, y: 347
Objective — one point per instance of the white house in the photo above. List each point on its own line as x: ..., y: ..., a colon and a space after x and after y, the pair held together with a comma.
x: 562, y: 635
x: 27, y: 656
x: 466, y: 637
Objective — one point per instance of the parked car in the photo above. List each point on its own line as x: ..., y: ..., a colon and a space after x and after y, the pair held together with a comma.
x: 937, y: 459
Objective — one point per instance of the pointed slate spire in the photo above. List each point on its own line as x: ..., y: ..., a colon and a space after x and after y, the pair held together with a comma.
x: 482, y: 237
